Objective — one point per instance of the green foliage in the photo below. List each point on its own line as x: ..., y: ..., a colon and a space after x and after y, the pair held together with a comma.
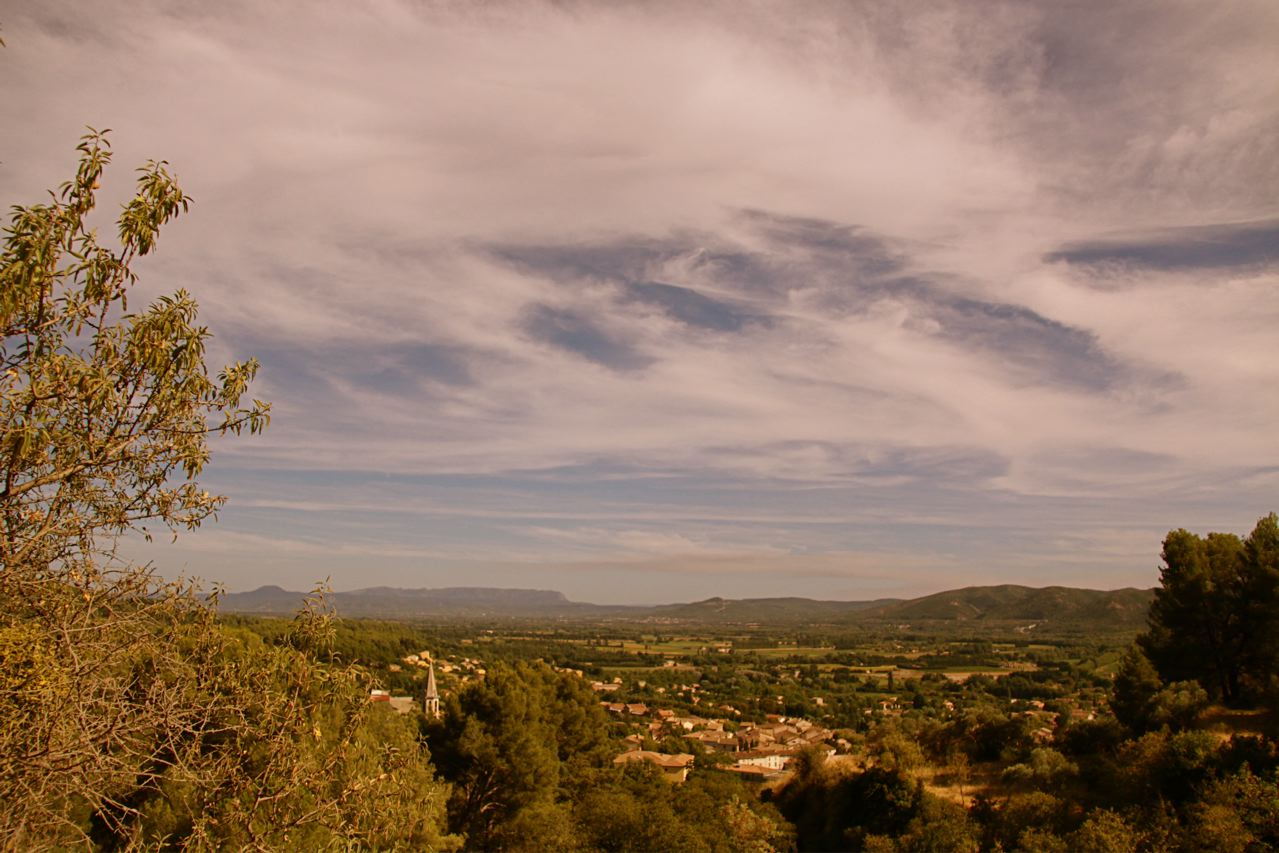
x: 1142, y: 703
x: 530, y: 760
x: 897, y: 751
x: 711, y: 813
x: 1238, y: 813
x: 986, y: 734
x: 104, y: 416
x: 837, y: 808
x: 521, y: 739
x: 1105, y: 831
x: 1092, y: 737
x: 1136, y: 685
x: 1216, y: 617
x: 1046, y: 770
x: 1006, y: 825
x: 300, y: 759
x: 1178, y: 705
x: 939, y: 827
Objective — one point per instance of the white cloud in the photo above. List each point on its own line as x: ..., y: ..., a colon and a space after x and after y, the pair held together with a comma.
x: 357, y: 168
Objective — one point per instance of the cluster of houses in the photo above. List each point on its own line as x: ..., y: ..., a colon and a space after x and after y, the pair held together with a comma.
x: 687, y: 692
x: 757, y: 750
x: 1044, y: 721
x: 424, y: 660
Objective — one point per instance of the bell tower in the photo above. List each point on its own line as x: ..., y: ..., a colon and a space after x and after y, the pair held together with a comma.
x: 431, y: 703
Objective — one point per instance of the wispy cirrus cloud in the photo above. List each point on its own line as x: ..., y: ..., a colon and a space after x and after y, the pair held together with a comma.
x: 1188, y: 247
x: 538, y: 285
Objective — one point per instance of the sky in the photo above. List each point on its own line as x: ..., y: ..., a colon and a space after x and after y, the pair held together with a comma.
x: 650, y: 302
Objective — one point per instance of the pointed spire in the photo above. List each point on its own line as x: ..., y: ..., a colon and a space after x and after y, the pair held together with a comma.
x: 431, y: 703
x: 431, y: 691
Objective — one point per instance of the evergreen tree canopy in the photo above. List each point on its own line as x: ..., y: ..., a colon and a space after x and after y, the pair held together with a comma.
x: 1215, y: 618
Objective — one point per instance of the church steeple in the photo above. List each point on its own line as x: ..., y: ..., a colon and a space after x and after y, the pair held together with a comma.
x: 431, y: 705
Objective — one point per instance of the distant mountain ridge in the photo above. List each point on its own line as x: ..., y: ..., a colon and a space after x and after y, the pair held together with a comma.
x: 1009, y: 602
x: 395, y: 602
x: 1117, y: 609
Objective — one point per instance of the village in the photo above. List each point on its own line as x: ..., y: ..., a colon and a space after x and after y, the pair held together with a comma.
x: 675, y: 740
x: 755, y: 750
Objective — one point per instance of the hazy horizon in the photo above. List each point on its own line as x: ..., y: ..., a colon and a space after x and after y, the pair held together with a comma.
x: 656, y: 602
x: 652, y: 302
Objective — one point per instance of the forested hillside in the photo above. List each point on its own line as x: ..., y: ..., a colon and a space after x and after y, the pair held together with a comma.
x: 1087, y: 608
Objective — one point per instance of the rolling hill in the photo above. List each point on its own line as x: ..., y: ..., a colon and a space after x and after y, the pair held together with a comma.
x: 1120, y: 608
x: 764, y: 610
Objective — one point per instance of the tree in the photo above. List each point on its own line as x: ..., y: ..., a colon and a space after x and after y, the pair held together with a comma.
x: 103, y: 426
x: 1136, y: 685
x: 1214, y: 617
x: 293, y: 756
x: 128, y: 716
x: 1105, y: 831
x: 104, y: 418
x: 836, y: 808
x: 1238, y: 813
x: 520, y: 741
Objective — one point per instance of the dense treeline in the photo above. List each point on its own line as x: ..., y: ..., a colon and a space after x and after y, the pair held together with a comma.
x: 366, y: 642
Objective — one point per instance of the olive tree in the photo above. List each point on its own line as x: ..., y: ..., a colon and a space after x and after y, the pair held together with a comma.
x: 104, y: 416
x: 128, y: 716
